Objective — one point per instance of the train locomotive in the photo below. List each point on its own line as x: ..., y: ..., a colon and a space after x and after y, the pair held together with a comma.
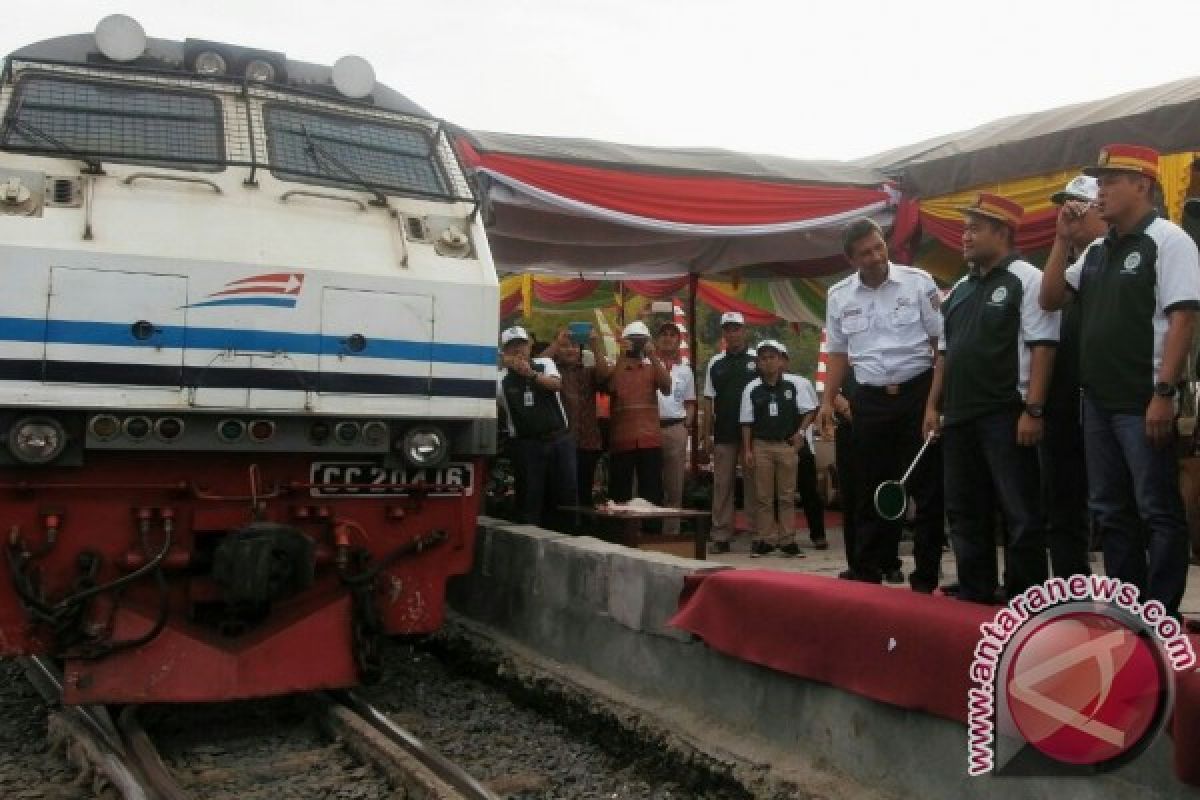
x: 247, y: 367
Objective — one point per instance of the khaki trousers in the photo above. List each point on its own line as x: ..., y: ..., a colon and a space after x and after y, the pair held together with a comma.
x: 725, y: 461
x: 775, y: 476
x: 674, y: 456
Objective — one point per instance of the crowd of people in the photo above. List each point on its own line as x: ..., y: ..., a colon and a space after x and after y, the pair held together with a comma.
x: 1043, y: 403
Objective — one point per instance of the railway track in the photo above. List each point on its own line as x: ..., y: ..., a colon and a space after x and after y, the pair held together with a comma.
x: 350, y: 740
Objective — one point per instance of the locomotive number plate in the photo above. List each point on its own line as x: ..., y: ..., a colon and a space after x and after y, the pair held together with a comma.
x: 360, y: 478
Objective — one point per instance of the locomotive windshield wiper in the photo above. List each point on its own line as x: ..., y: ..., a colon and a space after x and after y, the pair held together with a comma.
x: 15, y: 123
x: 319, y: 153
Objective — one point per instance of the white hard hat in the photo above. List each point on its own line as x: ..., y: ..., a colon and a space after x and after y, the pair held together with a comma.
x: 637, y: 328
x: 733, y: 318
x: 775, y: 344
x: 512, y: 334
x: 1081, y: 187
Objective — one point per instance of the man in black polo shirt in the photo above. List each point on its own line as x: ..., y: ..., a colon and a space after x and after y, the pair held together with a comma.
x: 725, y: 379
x: 990, y: 383
x: 1064, y: 472
x: 1139, y: 292
x: 542, y: 451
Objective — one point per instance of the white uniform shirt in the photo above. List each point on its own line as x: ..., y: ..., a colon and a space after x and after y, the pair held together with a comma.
x: 885, y: 331
x: 683, y: 389
x: 806, y: 396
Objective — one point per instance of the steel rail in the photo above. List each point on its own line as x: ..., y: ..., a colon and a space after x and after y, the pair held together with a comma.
x: 94, y: 729
x: 446, y: 770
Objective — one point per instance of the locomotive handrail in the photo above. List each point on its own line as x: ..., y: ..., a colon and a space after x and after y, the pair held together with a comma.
x: 27, y: 486
x: 159, y: 176
x: 283, y: 198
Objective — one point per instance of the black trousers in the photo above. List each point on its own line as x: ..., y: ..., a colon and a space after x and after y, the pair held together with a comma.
x: 1064, y: 493
x: 843, y: 444
x: 887, y: 436
x: 806, y: 490
x: 646, y: 463
x: 545, y: 479
x: 987, y: 470
x: 586, y: 461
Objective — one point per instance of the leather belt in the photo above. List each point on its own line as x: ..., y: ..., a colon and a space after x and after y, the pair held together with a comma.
x: 667, y: 423
x: 893, y: 389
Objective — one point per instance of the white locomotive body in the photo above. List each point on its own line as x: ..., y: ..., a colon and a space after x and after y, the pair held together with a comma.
x: 248, y: 303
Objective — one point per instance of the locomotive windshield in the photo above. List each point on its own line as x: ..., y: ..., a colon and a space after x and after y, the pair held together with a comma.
x: 113, y: 121
x: 311, y: 147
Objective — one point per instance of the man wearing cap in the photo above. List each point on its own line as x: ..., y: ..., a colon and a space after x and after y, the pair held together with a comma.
x: 882, y: 325
x: 635, y: 438
x: 725, y: 380
x: 543, y: 453
x: 1064, y: 471
x: 1138, y: 293
x: 677, y: 417
x: 774, y: 411
x: 990, y: 383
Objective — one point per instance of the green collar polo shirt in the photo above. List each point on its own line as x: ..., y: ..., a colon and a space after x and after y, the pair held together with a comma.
x: 1126, y: 287
x: 990, y: 321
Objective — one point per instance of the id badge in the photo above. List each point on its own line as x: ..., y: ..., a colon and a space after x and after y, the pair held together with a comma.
x: 773, y: 408
x: 529, y: 398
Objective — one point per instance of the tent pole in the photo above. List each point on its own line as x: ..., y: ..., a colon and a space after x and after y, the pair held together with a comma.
x: 693, y: 284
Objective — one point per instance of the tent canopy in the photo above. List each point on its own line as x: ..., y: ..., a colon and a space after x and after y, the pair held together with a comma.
x: 1165, y: 117
x: 597, y: 209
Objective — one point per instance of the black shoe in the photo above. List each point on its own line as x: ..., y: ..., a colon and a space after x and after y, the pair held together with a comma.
x: 758, y: 549
x: 894, y: 576
x: 716, y: 548
x: 852, y: 575
x: 820, y: 544
x: 792, y: 550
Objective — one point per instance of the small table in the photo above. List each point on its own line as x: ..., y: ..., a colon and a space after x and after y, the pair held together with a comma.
x: 631, y: 536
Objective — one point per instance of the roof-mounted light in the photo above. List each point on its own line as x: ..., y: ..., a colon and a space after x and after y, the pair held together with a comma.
x: 260, y: 71
x: 210, y: 63
x: 353, y: 76
x: 120, y: 38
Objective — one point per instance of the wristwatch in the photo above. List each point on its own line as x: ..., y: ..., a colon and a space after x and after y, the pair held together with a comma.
x: 1035, y: 410
x: 1164, y: 389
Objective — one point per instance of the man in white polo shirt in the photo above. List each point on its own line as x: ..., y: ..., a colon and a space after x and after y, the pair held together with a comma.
x: 677, y: 417
x: 883, y: 323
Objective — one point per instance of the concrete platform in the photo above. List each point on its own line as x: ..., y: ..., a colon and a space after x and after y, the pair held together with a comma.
x: 599, y: 612
x: 832, y: 561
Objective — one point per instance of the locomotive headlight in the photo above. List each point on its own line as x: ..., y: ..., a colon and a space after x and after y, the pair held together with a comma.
x: 210, y: 63
x: 260, y: 71
x: 37, y: 440
x: 425, y: 446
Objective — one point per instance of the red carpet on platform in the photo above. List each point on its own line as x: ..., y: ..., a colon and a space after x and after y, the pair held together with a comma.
x: 903, y: 648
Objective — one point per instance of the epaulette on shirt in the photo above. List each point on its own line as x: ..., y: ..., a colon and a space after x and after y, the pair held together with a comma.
x: 842, y: 284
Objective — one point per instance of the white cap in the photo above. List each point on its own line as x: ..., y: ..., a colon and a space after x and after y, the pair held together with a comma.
x: 513, y: 334
x: 1081, y: 187
x: 636, y: 328
x: 733, y: 318
x: 772, y: 343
